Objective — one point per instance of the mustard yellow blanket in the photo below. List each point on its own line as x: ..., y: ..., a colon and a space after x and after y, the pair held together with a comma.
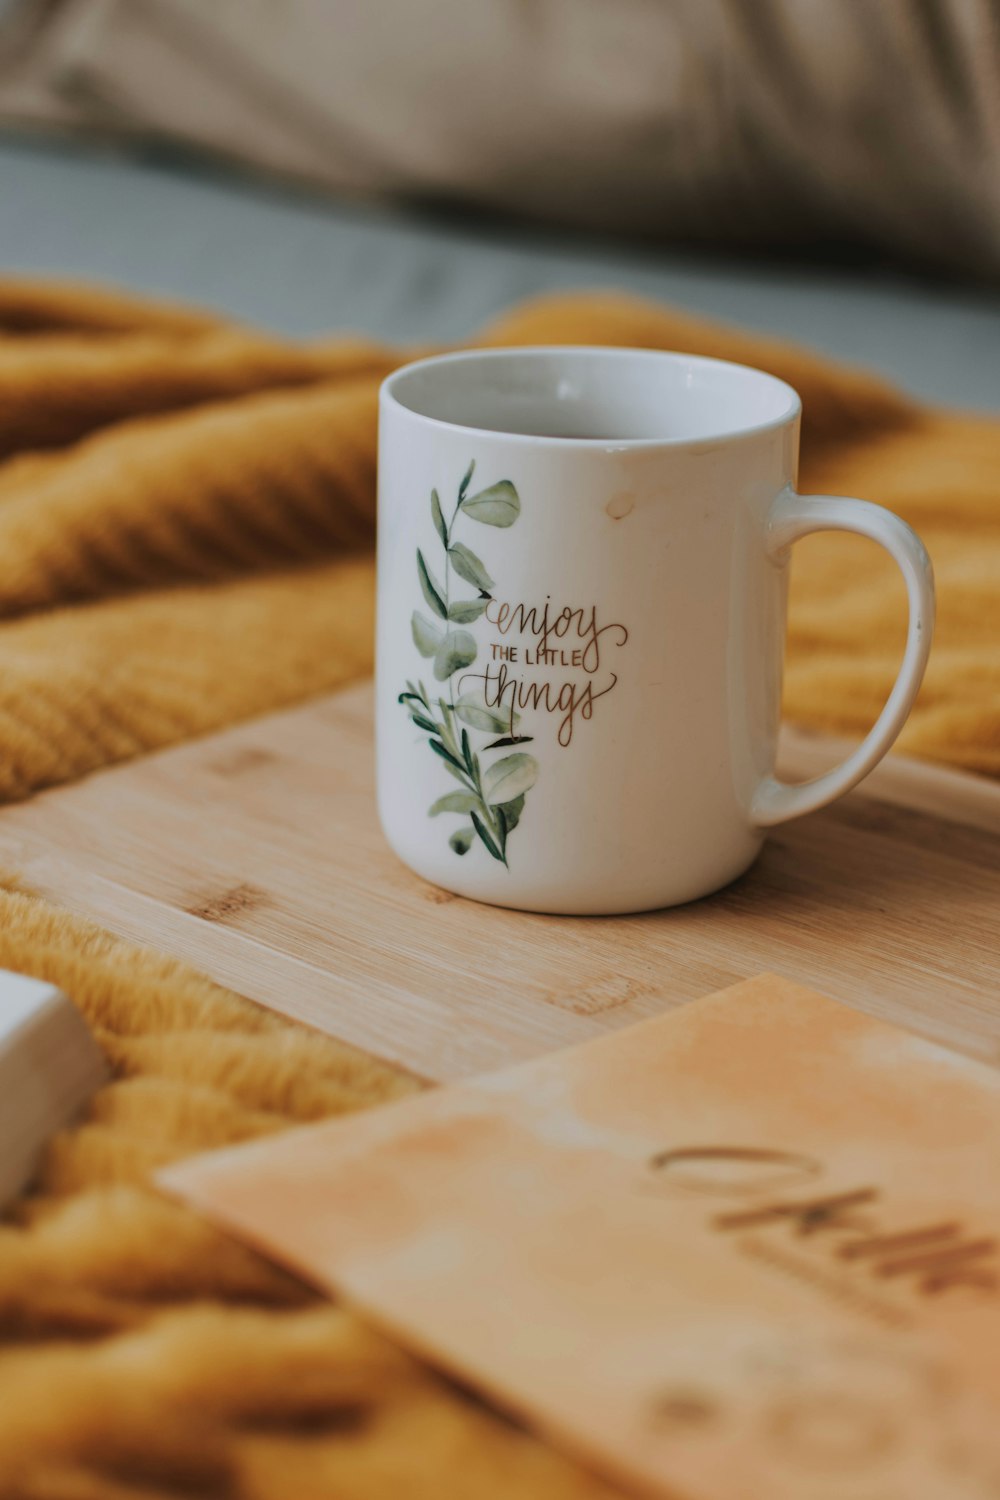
x: 185, y: 539
x: 186, y: 515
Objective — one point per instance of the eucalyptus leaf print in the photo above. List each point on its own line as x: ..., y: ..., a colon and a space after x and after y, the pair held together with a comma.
x: 492, y: 793
x: 432, y: 590
x: 512, y: 812
x: 464, y: 611
x: 510, y: 778
x: 438, y: 516
x: 497, y: 506
x: 473, y: 710
x: 468, y: 566
x: 458, y: 649
x: 427, y: 636
x: 460, y: 802
x: 487, y: 837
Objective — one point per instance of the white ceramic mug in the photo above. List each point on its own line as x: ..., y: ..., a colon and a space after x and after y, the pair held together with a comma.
x: 582, y: 569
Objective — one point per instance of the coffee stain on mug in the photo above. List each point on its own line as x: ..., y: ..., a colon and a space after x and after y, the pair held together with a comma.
x: 621, y: 504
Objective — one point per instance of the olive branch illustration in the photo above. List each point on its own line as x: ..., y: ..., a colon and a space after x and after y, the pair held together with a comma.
x: 492, y: 796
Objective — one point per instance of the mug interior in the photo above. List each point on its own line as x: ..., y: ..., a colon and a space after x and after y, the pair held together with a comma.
x: 598, y: 395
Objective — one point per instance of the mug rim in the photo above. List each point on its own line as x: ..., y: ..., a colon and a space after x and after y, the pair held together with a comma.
x: 727, y: 434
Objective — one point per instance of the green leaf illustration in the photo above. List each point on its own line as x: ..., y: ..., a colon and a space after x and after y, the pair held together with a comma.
x: 486, y: 837
x: 512, y: 812
x: 457, y: 650
x: 473, y: 710
x: 427, y: 636
x: 447, y: 756
x: 468, y: 566
x: 433, y: 592
x: 438, y: 515
x: 460, y: 802
x: 509, y: 778
x: 464, y: 611
x: 500, y: 505
x: 493, y: 799
x: 501, y: 823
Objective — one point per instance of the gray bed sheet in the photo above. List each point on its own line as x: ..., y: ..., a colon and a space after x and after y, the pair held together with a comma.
x: 306, y: 266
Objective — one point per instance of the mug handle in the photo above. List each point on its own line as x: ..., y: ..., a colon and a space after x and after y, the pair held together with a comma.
x: 793, y: 516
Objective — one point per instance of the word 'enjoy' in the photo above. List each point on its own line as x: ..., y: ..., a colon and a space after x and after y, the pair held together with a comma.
x: 584, y: 641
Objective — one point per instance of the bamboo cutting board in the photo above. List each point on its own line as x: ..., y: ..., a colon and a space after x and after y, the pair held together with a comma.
x: 255, y: 854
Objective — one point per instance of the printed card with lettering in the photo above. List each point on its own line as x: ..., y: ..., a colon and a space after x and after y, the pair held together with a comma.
x: 748, y: 1249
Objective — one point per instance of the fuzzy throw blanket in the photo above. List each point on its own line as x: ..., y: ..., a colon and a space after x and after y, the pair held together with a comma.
x: 186, y: 539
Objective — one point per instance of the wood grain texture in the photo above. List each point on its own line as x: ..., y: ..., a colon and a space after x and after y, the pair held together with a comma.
x: 256, y: 855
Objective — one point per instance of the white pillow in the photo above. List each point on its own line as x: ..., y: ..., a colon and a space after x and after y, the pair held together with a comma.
x: 781, y: 122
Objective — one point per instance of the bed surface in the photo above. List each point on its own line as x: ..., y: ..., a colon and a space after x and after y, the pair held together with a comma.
x: 302, y: 265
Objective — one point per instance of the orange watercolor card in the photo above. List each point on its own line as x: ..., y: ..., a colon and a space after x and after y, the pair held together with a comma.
x: 745, y: 1251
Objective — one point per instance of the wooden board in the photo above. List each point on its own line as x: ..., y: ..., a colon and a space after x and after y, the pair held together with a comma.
x: 256, y: 855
